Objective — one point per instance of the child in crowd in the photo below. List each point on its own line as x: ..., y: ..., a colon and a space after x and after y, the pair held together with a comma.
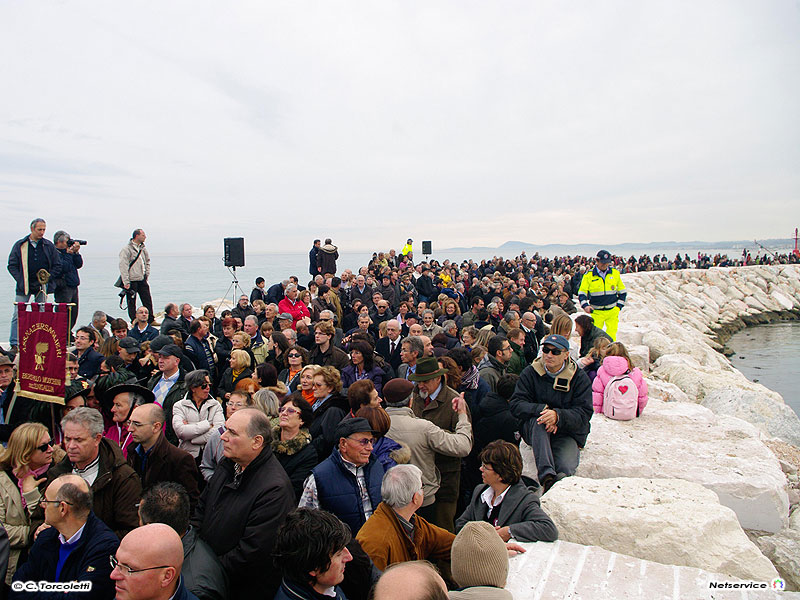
x: 617, y: 364
x: 592, y: 362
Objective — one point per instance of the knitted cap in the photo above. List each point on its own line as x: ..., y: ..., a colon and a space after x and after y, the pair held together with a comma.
x: 479, y: 556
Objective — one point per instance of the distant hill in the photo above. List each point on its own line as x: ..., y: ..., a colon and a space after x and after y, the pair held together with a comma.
x: 514, y: 247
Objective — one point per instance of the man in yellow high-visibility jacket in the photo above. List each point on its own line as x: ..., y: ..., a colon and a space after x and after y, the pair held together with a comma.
x: 407, y: 249
x: 603, y: 294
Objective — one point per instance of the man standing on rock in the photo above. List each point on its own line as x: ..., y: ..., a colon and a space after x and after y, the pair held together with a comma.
x: 602, y: 294
x: 553, y: 399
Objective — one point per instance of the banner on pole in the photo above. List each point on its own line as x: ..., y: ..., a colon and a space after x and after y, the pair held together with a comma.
x: 43, y: 330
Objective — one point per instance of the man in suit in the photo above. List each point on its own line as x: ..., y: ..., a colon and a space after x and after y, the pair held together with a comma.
x: 154, y: 458
x: 389, y: 347
x: 412, y: 349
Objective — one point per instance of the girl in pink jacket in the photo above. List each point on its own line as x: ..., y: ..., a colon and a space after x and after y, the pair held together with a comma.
x: 617, y: 363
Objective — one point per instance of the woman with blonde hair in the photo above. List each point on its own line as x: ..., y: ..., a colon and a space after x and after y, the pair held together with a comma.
x: 23, y: 468
x: 306, y: 386
x: 240, y: 363
x: 329, y: 408
x: 562, y: 325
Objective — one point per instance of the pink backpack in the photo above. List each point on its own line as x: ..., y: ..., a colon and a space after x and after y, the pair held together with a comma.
x: 621, y: 398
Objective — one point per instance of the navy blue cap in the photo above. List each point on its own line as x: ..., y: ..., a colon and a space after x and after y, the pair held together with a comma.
x: 604, y: 256
x: 559, y: 341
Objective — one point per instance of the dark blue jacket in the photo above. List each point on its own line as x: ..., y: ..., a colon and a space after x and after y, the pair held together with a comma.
x: 148, y: 335
x: 291, y: 590
x: 88, y: 561
x: 337, y: 489
x: 48, y: 258
x: 70, y: 263
x: 182, y: 593
x: 196, y: 351
x: 89, y: 363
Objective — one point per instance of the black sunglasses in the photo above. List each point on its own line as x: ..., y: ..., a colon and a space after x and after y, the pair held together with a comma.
x: 45, y: 446
x: 553, y: 351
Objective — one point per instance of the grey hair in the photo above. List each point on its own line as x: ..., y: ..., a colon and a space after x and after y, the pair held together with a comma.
x: 258, y: 424
x: 60, y: 235
x: 37, y: 220
x: 184, y: 305
x: 285, y: 282
x: 98, y: 314
x: 252, y: 318
x: 326, y: 312
x: 399, y: 485
x: 402, y: 403
x: 510, y: 316
x: 427, y: 311
x: 267, y: 402
x: 86, y: 417
x: 290, y: 334
x: 195, y: 378
x: 80, y: 501
x: 415, y: 344
x: 291, y: 287
x: 448, y: 324
x: 274, y: 306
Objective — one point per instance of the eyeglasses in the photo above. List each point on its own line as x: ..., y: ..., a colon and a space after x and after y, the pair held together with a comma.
x: 553, y: 351
x: 205, y: 385
x: 288, y: 410
x: 487, y: 467
x: 316, y: 384
x: 46, y: 501
x: 45, y: 446
x: 293, y: 355
x: 137, y: 424
x: 126, y: 570
x: 364, y: 442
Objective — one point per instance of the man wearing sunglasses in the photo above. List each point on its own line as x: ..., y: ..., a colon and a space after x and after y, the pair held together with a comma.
x: 76, y: 546
x: 553, y: 398
x: 348, y: 482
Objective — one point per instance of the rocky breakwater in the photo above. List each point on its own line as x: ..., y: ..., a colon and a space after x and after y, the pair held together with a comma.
x: 679, y: 318
x: 640, y: 483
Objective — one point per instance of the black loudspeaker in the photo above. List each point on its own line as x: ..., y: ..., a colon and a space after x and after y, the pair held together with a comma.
x: 234, y: 252
x: 426, y: 247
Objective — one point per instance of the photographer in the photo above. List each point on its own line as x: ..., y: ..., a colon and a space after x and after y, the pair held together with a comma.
x: 134, y: 270
x: 67, y: 284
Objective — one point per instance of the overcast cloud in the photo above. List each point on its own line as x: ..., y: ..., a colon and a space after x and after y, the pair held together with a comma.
x: 467, y: 123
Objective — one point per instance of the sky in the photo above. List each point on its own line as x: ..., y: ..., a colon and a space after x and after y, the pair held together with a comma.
x: 465, y: 123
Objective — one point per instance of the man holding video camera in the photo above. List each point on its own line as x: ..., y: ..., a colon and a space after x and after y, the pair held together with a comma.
x: 134, y: 270
x: 71, y: 260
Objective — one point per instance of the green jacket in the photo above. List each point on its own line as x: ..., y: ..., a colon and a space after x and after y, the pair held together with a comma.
x: 517, y: 361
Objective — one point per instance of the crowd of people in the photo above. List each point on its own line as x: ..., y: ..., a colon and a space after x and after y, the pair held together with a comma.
x: 322, y: 438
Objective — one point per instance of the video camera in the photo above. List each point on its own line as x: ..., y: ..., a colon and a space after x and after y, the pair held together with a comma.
x: 81, y: 242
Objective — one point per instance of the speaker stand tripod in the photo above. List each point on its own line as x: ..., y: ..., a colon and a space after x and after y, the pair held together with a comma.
x: 233, y: 286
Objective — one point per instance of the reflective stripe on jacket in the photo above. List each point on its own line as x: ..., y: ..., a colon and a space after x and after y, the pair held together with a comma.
x: 602, y: 293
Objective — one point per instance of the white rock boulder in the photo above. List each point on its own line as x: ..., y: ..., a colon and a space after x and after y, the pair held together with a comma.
x: 663, y: 520
x: 686, y: 441
x: 765, y: 410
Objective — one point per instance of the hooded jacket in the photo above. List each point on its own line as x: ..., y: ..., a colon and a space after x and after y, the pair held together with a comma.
x: 326, y: 259
x: 616, y: 366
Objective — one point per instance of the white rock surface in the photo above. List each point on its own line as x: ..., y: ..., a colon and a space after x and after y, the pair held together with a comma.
x: 673, y: 314
x: 564, y: 570
x: 663, y: 520
x: 667, y: 392
x: 686, y: 441
x: 761, y: 409
x: 783, y: 549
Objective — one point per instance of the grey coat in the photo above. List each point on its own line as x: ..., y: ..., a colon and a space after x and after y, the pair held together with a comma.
x: 519, y: 510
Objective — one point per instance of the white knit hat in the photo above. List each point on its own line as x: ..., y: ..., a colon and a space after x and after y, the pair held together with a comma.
x: 479, y: 556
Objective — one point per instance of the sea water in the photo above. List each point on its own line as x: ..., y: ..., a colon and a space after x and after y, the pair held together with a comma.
x: 770, y: 355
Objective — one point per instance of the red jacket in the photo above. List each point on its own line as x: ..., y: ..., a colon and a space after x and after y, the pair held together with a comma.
x: 298, y: 310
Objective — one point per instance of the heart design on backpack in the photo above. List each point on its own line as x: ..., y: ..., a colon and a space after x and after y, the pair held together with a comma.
x: 623, y: 388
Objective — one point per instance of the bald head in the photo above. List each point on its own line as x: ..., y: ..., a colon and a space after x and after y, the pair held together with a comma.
x: 415, y: 580
x: 75, y: 480
x: 156, y: 551
x: 155, y: 544
x: 150, y: 412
